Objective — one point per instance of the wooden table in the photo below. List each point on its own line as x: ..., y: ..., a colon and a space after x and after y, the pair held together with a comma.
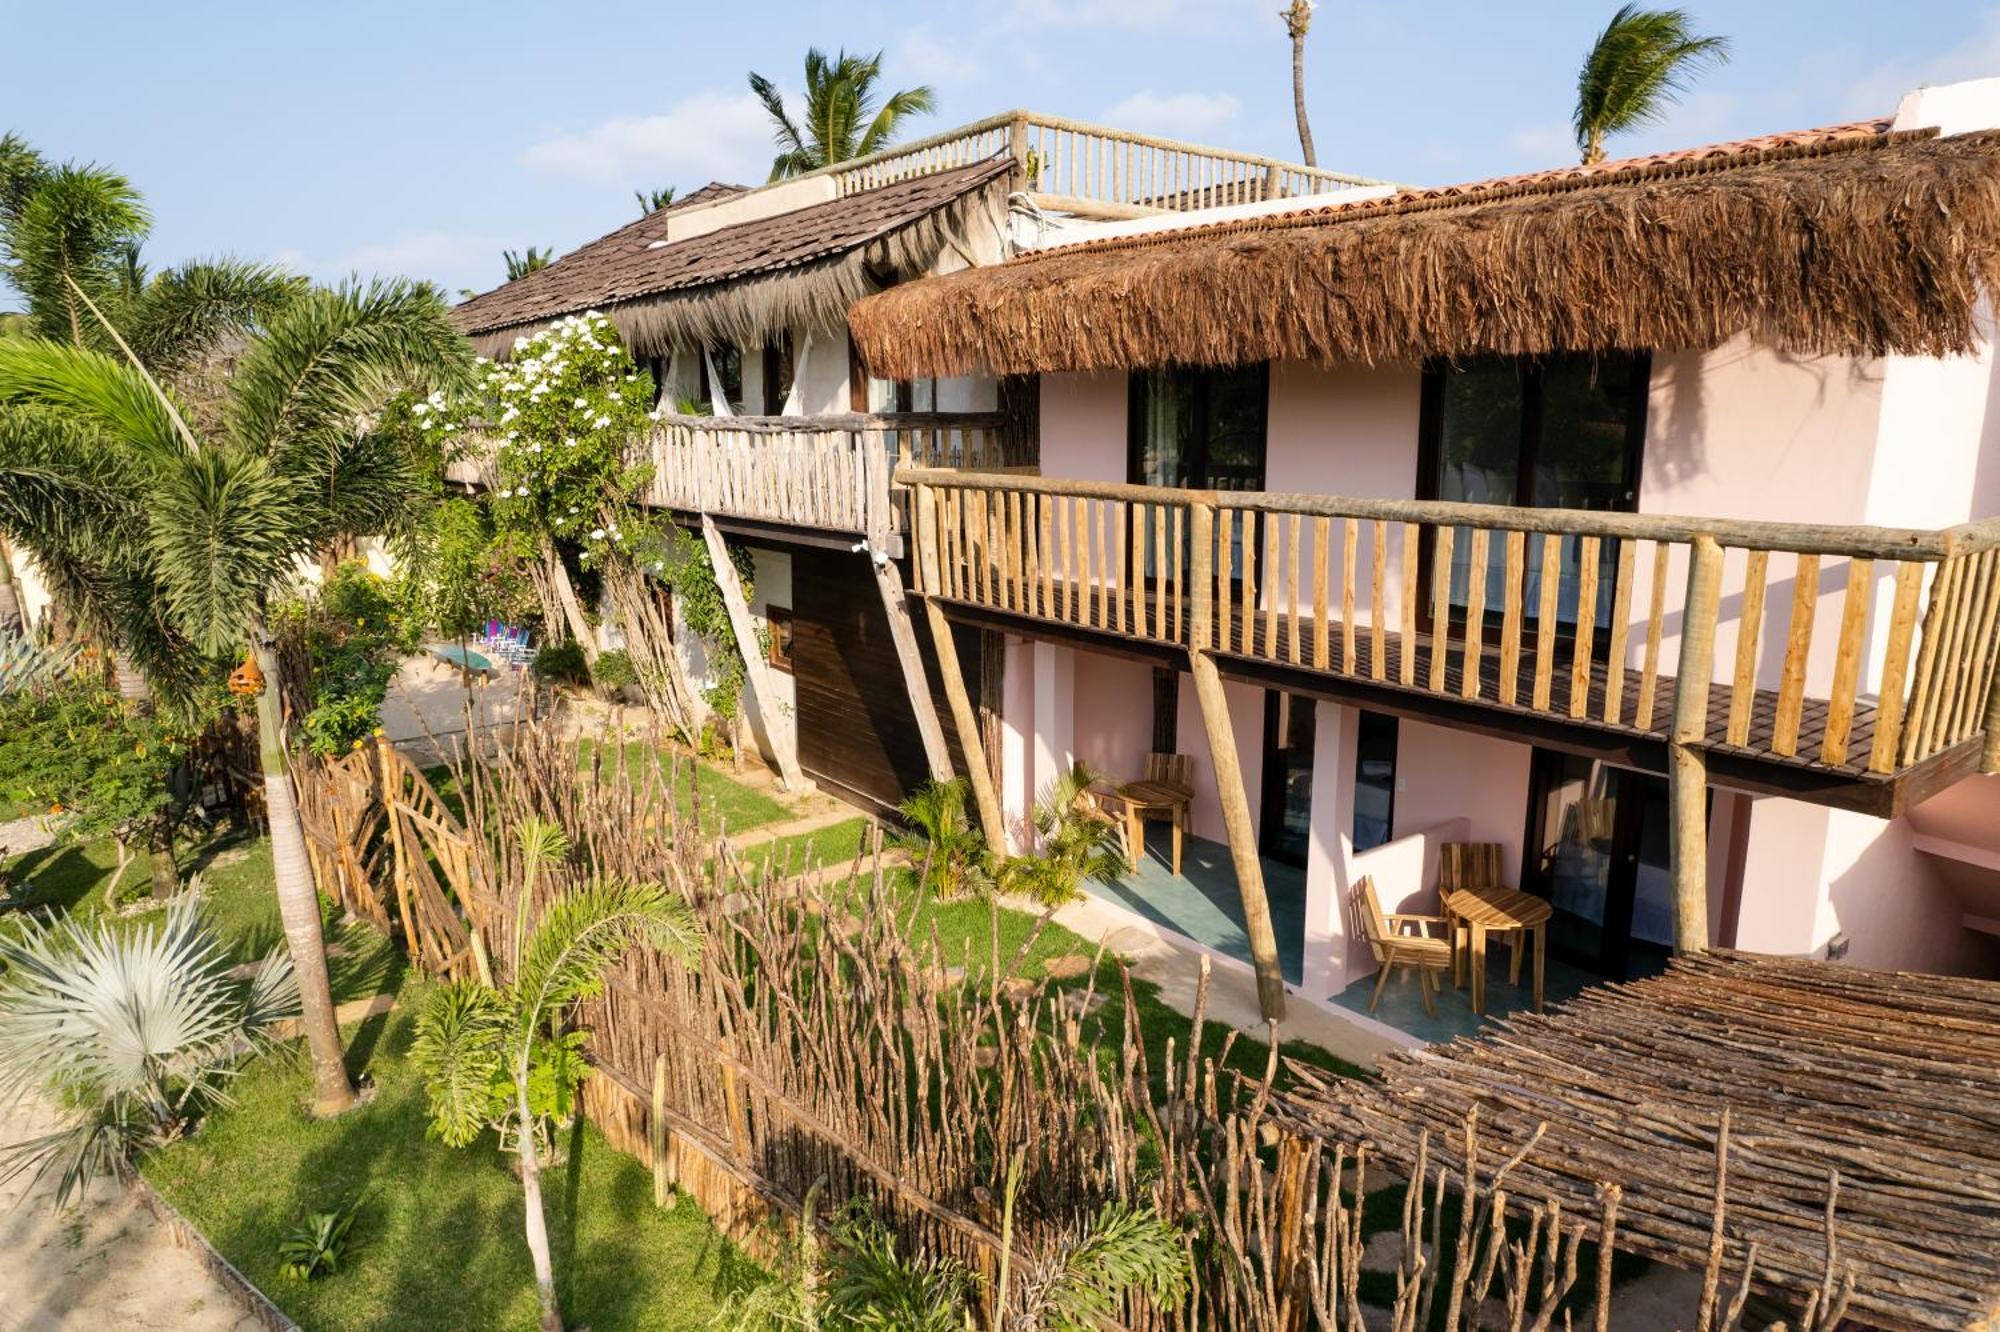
x: 1144, y: 800
x: 1502, y: 911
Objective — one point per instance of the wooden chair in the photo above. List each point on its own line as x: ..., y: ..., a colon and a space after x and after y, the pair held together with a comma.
x: 1394, y: 948
x: 1465, y: 865
x: 1103, y: 803
x: 1165, y: 792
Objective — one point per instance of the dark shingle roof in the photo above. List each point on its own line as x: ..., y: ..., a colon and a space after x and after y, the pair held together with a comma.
x: 630, y: 262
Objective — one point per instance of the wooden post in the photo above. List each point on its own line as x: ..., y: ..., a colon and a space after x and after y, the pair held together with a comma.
x: 1687, y: 763
x: 1989, y: 755
x: 966, y: 720
x: 777, y: 729
x: 918, y: 685
x: 1242, y: 834
x: 656, y: 1132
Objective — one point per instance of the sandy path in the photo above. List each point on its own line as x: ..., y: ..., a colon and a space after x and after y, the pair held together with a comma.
x: 106, y: 1264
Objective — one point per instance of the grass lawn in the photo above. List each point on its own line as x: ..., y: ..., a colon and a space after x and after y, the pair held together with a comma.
x: 835, y: 844
x: 437, y: 1242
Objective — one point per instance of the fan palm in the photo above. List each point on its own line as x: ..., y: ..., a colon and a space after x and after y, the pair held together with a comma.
x: 1638, y: 67
x: 470, y: 1036
x: 180, y: 538
x: 133, y: 1030
x: 842, y: 120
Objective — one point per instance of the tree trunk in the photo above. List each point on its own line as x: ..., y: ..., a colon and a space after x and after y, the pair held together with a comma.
x: 1297, y: 19
x: 13, y: 618
x: 298, y: 902
x: 531, y: 1191
x: 579, y: 627
x: 132, y: 684
x: 166, y: 873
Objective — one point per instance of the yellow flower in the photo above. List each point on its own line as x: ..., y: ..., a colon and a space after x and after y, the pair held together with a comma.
x: 357, y: 744
x: 140, y: 750
x: 55, y: 808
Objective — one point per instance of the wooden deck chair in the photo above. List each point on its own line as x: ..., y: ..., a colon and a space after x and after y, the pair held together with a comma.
x: 1464, y: 865
x: 1394, y: 947
x: 1165, y: 792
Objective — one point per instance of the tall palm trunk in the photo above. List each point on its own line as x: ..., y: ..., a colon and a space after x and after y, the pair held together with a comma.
x: 164, y: 870
x: 557, y: 574
x: 531, y: 1191
x: 133, y: 686
x: 298, y: 903
x: 1297, y: 19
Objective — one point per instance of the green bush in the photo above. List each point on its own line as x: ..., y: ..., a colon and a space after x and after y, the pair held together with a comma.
x: 614, y: 670
x: 315, y: 1248
x: 562, y: 663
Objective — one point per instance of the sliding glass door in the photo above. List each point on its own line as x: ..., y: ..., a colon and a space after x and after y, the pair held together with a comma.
x: 1600, y: 854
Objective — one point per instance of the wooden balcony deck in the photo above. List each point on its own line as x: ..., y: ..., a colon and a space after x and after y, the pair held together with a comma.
x: 1336, y: 598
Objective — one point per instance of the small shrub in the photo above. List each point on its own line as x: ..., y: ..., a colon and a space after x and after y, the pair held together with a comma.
x: 315, y: 1248
x: 1076, y: 844
x: 614, y: 671
x: 562, y: 663
x: 950, y: 853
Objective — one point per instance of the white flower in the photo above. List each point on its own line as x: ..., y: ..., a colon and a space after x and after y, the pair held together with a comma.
x: 579, y: 403
x: 597, y: 534
x: 509, y: 415
x: 535, y: 447
x: 616, y: 396
x: 424, y: 409
x: 450, y: 426
x: 602, y: 421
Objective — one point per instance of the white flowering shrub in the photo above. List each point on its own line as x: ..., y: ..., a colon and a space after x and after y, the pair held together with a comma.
x: 563, y: 414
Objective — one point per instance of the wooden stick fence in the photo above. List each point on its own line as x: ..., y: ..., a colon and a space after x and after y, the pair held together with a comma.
x: 817, y: 1042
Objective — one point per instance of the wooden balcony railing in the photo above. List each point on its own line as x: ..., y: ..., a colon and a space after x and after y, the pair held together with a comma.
x: 828, y: 472
x: 1880, y: 654
x: 1074, y: 167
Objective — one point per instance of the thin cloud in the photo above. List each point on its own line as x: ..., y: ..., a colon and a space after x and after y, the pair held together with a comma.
x: 704, y: 136
x: 1179, y: 115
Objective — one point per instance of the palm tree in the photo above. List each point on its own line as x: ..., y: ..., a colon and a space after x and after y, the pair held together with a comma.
x: 134, y: 1031
x: 177, y: 539
x: 1298, y: 18
x: 652, y: 201
x: 1638, y: 67
x: 526, y: 262
x: 841, y: 121
x: 471, y: 1038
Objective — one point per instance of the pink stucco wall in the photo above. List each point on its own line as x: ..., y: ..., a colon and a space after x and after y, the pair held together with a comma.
x: 1083, y: 427
x: 1114, y: 714
x: 1246, y: 718
x: 1442, y: 774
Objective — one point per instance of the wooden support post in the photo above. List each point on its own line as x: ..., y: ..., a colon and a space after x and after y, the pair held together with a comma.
x: 1242, y: 834
x: 1687, y: 763
x: 777, y: 728
x: 656, y: 1133
x: 918, y: 685
x: 966, y: 720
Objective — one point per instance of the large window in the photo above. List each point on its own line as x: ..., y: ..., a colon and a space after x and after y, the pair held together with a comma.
x: 1564, y: 431
x: 728, y: 363
x: 1199, y: 428
x: 1374, y: 780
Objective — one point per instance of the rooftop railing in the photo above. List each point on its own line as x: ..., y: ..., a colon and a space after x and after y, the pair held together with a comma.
x: 1071, y: 166
x: 1867, y: 649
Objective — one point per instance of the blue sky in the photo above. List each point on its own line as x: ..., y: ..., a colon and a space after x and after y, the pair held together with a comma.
x: 422, y: 137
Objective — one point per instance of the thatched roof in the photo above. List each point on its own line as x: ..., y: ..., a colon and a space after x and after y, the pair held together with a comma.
x: 1850, y: 239
x: 742, y: 283
x: 1891, y: 1079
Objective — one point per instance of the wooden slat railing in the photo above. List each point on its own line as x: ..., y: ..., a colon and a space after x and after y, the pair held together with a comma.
x: 1559, y: 613
x: 1077, y: 167
x: 829, y: 472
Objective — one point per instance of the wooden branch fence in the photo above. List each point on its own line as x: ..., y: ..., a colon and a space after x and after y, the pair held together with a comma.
x: 817, y: 1042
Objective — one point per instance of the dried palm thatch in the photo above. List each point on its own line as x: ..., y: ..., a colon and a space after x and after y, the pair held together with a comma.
x: 1859, y: 242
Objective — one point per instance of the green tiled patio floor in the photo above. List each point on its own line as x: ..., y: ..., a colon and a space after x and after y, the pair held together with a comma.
x: 1402, y: 1004
x: 1201, y: 902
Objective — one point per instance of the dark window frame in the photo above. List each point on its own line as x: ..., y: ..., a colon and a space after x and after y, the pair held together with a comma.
x: 1135, y: 417
x: 1362, y: 716
x: 1430, y: 449
x: 778, y: 371
x: 706, y: 390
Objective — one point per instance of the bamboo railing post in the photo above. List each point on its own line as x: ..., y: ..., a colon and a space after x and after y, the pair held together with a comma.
x: 1687, y: 770
x: 1989, y: 753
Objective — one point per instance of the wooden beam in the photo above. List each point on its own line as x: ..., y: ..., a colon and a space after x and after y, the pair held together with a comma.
x: 1687, y: 762
x: 1242, y: 835
x: 966, y: 720
x: 915, y: 682
x: 778, y: 730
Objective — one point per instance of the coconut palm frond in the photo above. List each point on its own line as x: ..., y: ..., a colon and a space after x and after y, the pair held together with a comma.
x: 326, y: 360
x: 182, y: 313
x: 72, y: 230
x: 1638, y: 67
x: 1079, y: 1285
x: 95, y: 390
x: 871, y: 1285
x: 841, y: 121
x: 887, y: 122
x: 584, y: 930
x: 222, y: 526
x: 459, y: 1048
